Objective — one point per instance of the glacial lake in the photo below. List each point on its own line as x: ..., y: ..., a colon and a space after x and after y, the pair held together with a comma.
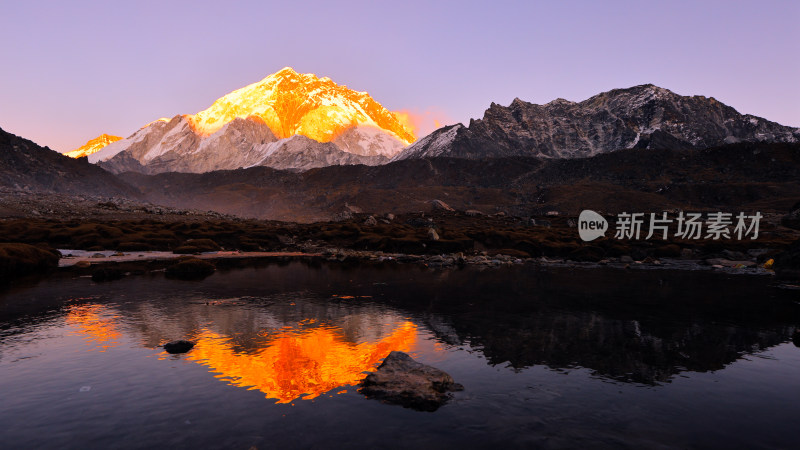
x: 549, y: 357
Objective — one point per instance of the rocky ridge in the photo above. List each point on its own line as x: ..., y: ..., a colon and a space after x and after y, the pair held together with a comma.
x: 642, y: 117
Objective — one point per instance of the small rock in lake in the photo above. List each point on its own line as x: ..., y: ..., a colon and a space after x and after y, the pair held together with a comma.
x: 402, y: 381
x: 180, y: 346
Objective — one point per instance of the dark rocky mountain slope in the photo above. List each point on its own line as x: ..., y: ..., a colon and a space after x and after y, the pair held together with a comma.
x: 26, y: 166
x: 645, y: 117
x: 743, y: 176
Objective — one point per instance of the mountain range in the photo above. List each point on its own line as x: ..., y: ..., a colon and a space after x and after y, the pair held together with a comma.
x: 297, y: 121
x: 624, y: 149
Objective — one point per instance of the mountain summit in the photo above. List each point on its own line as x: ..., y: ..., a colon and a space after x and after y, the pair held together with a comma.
x: 247, y: 126
x: 645, y: 116
x: 93, y: 146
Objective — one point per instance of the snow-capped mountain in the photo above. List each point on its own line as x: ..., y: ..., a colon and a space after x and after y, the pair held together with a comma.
x: 643, y: 116
x: 238, y: 129
x: 435, y: 144
x: 92, y: 146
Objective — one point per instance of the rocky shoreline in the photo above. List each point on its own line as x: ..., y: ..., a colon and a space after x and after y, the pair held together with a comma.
x: 145, y: 237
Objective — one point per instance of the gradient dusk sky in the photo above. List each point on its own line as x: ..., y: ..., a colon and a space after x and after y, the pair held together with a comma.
x: 73, y: 70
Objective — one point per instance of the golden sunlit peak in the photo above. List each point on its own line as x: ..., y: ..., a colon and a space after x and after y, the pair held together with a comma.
x: 291, y: 103
x: 93, y: 146
x: 161, y: 119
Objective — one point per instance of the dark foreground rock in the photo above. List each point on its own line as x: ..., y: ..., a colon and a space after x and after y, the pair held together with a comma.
x: 22, y: 259
x: 190, y: 269
x: 402, y: 381
x: 180, y: 346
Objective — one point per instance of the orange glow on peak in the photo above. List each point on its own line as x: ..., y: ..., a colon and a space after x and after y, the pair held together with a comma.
x: 92, y: 146
x: 409, y: 121
x: 291, y: 103
x: 422, y: 123
x: 298, y: 364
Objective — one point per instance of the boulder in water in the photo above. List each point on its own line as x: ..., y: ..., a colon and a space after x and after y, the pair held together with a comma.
x: 179, y: 346
x: 402, y: 381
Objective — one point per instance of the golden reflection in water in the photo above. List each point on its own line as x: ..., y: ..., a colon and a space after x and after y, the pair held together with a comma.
x: 96, y: 324
x: 302, y: 364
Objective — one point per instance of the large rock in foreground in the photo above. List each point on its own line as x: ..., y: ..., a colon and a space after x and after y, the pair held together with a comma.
x: 23, y: 259
x: 402, y: 381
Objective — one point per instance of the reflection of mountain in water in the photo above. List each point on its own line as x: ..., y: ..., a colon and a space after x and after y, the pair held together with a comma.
x: 641, y: 327
x: 97, y: 324
x: 293, y: 349
x: 625, y: 350
x: 299, y: 364
x: 637, y: 325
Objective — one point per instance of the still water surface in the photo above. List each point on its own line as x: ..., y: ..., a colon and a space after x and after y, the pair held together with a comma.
x: 554, y: 357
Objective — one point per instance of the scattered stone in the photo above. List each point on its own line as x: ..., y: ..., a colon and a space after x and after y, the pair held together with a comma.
x: 439, y: 205
x: 98, y: 255
x: 342, y: 216
x: 625, y: 259
x: 389, y: 216
x: 728, y: 263
x: 418, y: 222
x: 433, y: 235
x: 400, y: 380
x: 370, y: 221
x: 179, y: 346
x: 352, y: 209
x: 473, y: 213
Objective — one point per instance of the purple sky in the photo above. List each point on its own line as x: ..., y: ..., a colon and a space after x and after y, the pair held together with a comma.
x: 73, y: 70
